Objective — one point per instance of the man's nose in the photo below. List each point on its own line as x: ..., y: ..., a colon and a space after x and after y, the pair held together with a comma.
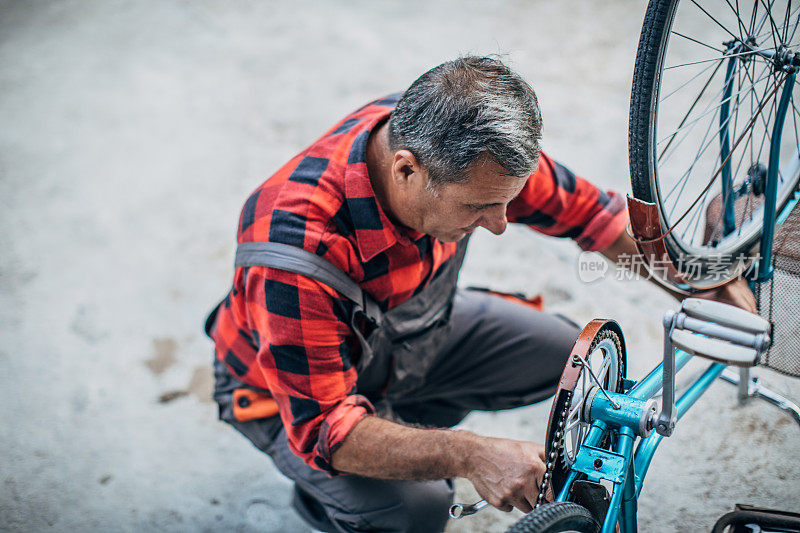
x: 495, y: 222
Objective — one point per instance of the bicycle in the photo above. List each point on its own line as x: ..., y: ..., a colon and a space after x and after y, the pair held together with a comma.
x: 598, y: 414
x: 714, y: 178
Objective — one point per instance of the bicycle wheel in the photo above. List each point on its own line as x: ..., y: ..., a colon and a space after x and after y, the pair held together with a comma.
x: 555, y: 518
x: 705, y: 113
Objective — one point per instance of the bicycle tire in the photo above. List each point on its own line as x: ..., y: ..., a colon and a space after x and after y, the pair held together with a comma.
x: 646, y: 165
x: 557, y: 518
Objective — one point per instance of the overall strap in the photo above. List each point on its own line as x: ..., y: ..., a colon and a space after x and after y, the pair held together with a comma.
x: 299, y: 261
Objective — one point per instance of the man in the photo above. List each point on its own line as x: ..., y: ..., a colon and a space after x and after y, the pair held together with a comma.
x: 367, y: 352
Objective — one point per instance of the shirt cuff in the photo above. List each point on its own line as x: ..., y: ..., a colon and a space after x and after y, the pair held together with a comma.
x: 604, y: 227
x: 336, y: 427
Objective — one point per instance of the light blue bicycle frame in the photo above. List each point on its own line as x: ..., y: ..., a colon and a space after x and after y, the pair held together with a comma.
x: 623, y: 466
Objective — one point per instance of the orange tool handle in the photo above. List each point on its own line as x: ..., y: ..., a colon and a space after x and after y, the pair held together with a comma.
x: 251, y: 405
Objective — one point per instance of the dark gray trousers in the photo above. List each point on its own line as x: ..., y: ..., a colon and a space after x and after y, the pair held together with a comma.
x: 500, y: 355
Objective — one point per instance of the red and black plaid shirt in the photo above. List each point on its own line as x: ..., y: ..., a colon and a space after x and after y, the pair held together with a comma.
x: 289, y: 334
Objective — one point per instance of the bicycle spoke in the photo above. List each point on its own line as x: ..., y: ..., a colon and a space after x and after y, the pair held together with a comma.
x: 686, y: 116
x: 737, y: 106
x: 576, y: 406
x: 753, y: 161
x: 789, y: 39
x: 709, y: 109
x: 761, y: 147
x: 753, y: 19
x: 723, y: 58
x: 716, y: 228
x: 738, y: 18
x: 712, y: 18
x: 717, y: 225
x: 744, y: 212
x: 751, y: 30
x: 759, y: 35
x: 786, y: 21
x: 698, y: 42
x: 602, y: 372
x: 682, y: 182
x: 703, y: 147
x: 698, y: 215
x: 717, y: 172
x: 768, y: 75
x: 691, y: 80
x: 775, y: 30
x: 750, y: 139
x: 738, y: 170
x: 735, y: 173
x: 764, y: 17
x: 760, y: 151
x: 688, y: 132
x: 772, y: 23
x: 794, y: 119
x: 584, y: 378
x: 767, y: 134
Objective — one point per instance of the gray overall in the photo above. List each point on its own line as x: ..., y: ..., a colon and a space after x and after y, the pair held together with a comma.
x: 430, y: 360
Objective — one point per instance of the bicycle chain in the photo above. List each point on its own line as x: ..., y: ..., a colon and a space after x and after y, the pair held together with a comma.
x: 555, y: 449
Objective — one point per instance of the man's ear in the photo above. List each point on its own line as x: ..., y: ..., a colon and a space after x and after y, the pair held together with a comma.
x: 407, y: 170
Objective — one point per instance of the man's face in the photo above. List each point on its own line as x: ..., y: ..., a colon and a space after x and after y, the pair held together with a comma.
x: 458, y: 208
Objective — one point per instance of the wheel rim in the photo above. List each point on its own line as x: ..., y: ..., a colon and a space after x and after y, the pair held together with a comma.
x: 690, y: 122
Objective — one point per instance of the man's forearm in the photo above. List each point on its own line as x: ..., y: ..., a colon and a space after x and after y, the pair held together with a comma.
x: 505, y: 472
x: 382, y: 449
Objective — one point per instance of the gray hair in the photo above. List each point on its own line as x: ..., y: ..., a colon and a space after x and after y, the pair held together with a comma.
x: 464, y: 109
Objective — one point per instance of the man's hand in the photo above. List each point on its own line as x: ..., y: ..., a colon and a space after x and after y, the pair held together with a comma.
x: 507, y: 473
x: 736, y: 293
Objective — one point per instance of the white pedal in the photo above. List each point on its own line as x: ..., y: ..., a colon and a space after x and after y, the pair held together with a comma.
x: 725, y: 315
x: 715, y: 349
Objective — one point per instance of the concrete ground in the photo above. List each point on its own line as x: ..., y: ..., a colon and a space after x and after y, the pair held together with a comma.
x: 131, y: 134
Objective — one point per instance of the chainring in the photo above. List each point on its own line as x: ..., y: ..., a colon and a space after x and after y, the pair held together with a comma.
x: 572, y: 386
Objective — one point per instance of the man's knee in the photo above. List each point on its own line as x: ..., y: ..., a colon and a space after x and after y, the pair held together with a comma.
x: 407, y: 506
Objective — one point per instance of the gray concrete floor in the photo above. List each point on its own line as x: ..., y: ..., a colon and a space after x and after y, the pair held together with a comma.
x: 131, y: 134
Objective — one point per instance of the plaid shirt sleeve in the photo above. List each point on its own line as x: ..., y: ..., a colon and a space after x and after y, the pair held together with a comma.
x: 557, y: 202
x: 305, y: 359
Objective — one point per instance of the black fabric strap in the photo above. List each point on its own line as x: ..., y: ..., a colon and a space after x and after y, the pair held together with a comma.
x: 299, y: 261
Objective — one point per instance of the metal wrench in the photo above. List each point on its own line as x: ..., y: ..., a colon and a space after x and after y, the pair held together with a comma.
x: 461, y: 510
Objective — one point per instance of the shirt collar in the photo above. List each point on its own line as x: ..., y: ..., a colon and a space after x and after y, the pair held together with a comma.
x: 374, y: 232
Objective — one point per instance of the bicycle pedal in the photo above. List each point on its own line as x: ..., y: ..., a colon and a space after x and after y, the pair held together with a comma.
x: 720, y: 332
x: 715, y: 349
x: 725, y: 315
